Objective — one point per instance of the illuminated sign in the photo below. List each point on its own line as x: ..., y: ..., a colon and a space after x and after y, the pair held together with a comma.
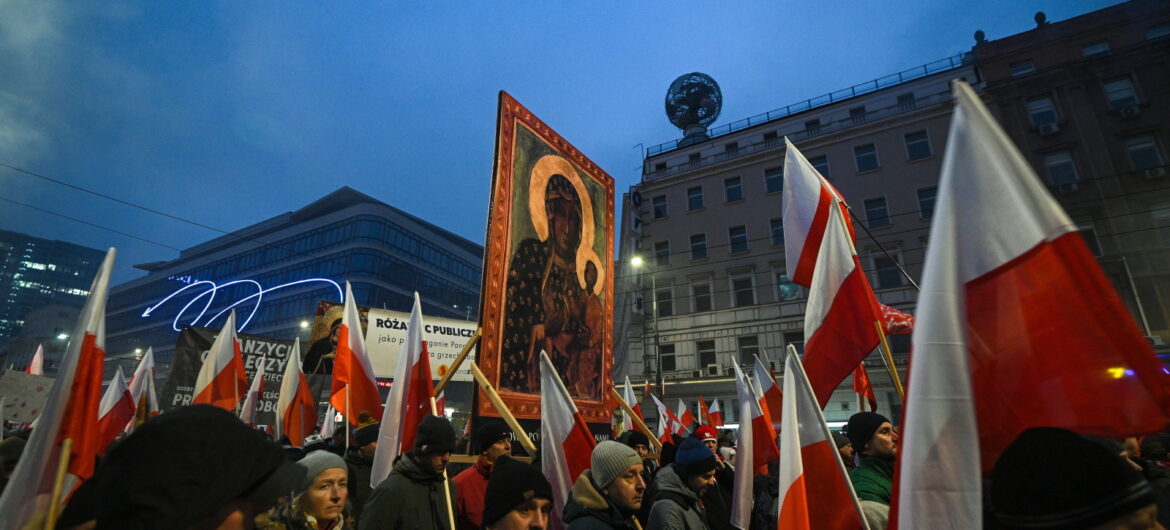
x: 212, y: 288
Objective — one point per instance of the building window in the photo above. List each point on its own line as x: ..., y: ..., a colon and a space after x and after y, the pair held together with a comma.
x: 699, y: 246
x: 1143, y: 152
x: 743, y: 291
x: 701, y: 297
x: 906, y: 101
x: 731, y: 150
x: 1042, y: 111
x: 706, y: 350
x: 1088, y: 232
x: 774, y: 179
x: 857, y: 114
x: 732, y: 189
x: 1120, y: 93
x: 664, y: 299
x: 812, y: 127
x: 666, y: 355
x: 917, y: 145
x: 821, y: 164
x: 695, y: 198
x: 737, y: 237
x: 659, y: 203
x: 777, y: 231
x: 749, y: 348
x: 796, y: 339
x: 867, y: 159
x: 1096, y: 49
x: 1023, y: 68
x: 661, y: 166
x: 785, y: 289
x: 876, y: 214
x: 1061, y: 170
x: 771, y: 139
x: 926, y: 202
x: 886, y: 271
x: 662, y: 253
x: 694, y: 159
x: 1160, y: 31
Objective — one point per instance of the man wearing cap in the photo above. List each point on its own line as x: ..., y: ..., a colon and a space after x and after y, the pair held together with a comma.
x: 359, y: 459
x: 493, y: 439
x: 518, y: 497
x: 873, y: 441
x: 413, y: 497
x: 680, y: 486
x: 609, y: 493
x: 845, y: 449
x: 640, y: 443
x: 717, y: 499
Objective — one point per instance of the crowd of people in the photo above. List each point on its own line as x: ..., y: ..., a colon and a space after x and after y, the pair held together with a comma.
x: 200, y: 467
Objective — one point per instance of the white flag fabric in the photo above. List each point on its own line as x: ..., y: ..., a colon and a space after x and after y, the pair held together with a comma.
x: 36, y: 366
x: 410, y: 399
x: 248, y: 410
x: 565, y: 441
x: 296, y: 409
x: 142, y: 388
x: 741, y: 498
x: 329, y: 423
x: 808, y: 198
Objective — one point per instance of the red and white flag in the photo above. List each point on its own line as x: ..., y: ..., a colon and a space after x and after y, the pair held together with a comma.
x: 863, y: 387
x: 815, y: 490
x: 353, y: 388
x: 634, y: 404
x: 221, y: 381
x: 1017, y: 327
x: 705, y: 413
x: 410, y: 399
x: 296, y: 410
x: 768, y: 391
x: 716, y: 414
x: 895, y: 322
x: 757, y: 448
x: 841, y: 312
x: 143, y: 392
x: 685, y: 418
x: 808, y: 199
x: 255, y: 393
x: 70, y: 412
x: 666, y: 420
x: 565, y: 441
x: 36, y: 365
x: 115, y: 411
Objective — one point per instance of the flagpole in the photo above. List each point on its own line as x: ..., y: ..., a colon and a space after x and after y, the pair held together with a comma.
x: 888, y: 358
x: 471, y: 343
x: 446, y: 481
x: 498, y: 403
x: 347, y: 433
x: 637, y: 421
x: 58, y: 484
x: 880, y: 247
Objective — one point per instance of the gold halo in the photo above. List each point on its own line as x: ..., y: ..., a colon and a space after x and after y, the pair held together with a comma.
x: 544, y: 169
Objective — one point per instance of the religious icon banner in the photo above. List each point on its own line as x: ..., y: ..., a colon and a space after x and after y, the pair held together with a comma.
x: 548, y: 274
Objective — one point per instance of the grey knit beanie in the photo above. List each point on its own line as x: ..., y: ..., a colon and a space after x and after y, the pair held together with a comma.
x: 610, y: 459
x: 317, y: 462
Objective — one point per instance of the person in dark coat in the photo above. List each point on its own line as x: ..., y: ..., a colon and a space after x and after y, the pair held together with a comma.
x: 518, y: 497
x: 872, y: 438
x: 717, y: 500
x: 609, y: 493
x: 417, y: 494
x: 680, y: 486
x: 359, y: 460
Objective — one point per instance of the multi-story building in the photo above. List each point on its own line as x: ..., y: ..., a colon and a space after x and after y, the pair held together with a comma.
x: 294, y: 260
x: 49, y: 327
x: 35, y: 272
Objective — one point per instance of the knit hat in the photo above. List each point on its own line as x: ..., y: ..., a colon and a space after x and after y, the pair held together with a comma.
x: 511, y: 484
x: 1054, y: 478
x: 489, y: 433
x: 706, y: 432
x: 634, y: 438
x: 314, y: 442
x: 435, y: 436
x: 610, y: 459
x: 367, y: 435
x: 839, y: 440
x: 693, y: 458
x: 861, y: 427
x: 317, y: 462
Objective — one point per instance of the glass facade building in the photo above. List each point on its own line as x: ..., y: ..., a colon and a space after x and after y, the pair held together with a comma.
x: 35, y: 272
x: 274, y: 273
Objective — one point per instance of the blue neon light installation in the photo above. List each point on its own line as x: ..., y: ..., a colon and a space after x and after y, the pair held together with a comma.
x: 213, y: 287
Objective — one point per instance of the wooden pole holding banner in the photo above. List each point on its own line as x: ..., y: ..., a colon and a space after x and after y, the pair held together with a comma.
x: 888, y: 357
x: 498, y: 403
x: 446, y: 480
x: 458, y: 361
x: 641, y: 425
x: 58, y: 484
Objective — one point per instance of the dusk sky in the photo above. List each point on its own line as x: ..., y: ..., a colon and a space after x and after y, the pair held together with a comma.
x: 228, y: 113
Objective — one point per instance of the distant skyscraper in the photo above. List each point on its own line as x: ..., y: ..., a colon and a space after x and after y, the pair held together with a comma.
x: 35, y: 272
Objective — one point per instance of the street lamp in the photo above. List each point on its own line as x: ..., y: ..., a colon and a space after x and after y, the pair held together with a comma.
x: 638, y: 263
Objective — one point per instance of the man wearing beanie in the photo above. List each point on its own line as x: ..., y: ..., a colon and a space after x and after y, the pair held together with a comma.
x: 640, y: 443
x: 413, y: 495
x: 1054, y: 478
x: 717, y: 499
x: 493, y: 439
x: 680, y: 486
x: 872, y: 438
x: 609, y: 493
x: 359, y: 459
x: 518, y: 497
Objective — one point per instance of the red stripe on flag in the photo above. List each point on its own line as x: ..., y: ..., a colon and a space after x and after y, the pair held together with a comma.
x: 803, y: 273
x: 794, y: 509
x: 823, y: 481
x: 349, y: 373
x: 81, y: 414
x: 764, y: 443
x: 843, y: 339
x: 418, y: 399
x: 300, y: 419
x: 578, y: 446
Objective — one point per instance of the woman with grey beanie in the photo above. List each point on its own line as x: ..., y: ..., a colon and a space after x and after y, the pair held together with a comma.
x: 319, y: 503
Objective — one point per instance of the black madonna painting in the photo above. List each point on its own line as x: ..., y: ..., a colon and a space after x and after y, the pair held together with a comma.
x: 548, y: 275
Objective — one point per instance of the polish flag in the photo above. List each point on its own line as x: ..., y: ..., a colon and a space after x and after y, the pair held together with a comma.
x: 810, y: 467
x: 329, y: 423
x: 716, y: 414
x: 705, y: 413
x: 685, y: 418
x: 757, y: 449
x: 70, y: 412
x: 895, y: 322
x: 841, y: 312
x: 769, y: 392
x: 115, y: 411
x: 1017, y: 327
x: 863, y: 387
x: 353, y: 389
x: 221, y: 380
x: 410, y: 401
x: 565, y: 441
x: 36, y: 365
x: 666, y: 421
x: 143, y: 391
x: 628, y: 392
x: 808, y: 199
x: 296, y: 410
x: 255, y: 393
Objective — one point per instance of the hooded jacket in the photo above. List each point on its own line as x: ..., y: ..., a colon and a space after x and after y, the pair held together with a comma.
x: 675, y: 506
x: 589, y: 509
x: 411, y: 498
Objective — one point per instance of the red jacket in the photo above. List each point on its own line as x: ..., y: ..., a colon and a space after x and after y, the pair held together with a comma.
x: 471, y: 487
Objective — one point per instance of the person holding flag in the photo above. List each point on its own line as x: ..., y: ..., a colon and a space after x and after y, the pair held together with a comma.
x: 413, y: 496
